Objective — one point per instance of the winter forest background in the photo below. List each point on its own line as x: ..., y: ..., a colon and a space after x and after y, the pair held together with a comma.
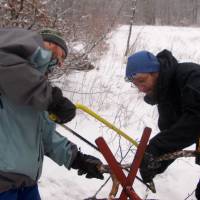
x: 90, y: 21
x: 100, y: 34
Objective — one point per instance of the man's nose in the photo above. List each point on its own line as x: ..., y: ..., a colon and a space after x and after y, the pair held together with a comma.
x: 141, y: 88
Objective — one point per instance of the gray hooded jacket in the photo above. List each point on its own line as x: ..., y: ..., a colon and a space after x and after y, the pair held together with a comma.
x: 26, y: 133
x: 20, y: 79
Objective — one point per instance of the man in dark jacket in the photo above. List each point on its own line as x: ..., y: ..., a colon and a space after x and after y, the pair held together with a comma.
x: 175, y: 88
x: 26, y: 100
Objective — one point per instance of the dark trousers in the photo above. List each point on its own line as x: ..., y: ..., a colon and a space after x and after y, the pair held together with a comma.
x: 197, y: 191
x: 25, y: 193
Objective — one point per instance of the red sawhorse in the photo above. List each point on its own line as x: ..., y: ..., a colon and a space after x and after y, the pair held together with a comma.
x: 126, y: 182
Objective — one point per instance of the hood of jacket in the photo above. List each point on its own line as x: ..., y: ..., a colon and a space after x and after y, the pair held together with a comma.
x: 20, y: 42
x: 168, y: 66
x: 20, y: 45
x: 23, y: 63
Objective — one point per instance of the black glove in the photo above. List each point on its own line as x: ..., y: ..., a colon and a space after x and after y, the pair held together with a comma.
x: 61, y: 107
x: 148, y: 167
x: 88, y: 165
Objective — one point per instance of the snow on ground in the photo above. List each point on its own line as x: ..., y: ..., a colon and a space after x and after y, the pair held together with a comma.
x: 105, y: 91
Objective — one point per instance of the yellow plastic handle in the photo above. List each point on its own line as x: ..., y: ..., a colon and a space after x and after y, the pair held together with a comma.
x: 108, y: 124
x: 101, y: 119
x: 53, y: 117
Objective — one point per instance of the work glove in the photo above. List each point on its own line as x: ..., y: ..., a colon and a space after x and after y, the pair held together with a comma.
x: 63, y: 109
x: 88, y: 165
x: 148, y: 167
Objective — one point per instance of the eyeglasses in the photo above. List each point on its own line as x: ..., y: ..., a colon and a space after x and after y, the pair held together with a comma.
x: 130, y: 78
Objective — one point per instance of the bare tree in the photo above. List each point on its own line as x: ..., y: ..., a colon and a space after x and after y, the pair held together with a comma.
x: 167, y: 12
x: 25, y: 14
x: 133, y: 8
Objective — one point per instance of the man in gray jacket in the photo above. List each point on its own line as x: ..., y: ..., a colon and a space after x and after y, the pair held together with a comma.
x: 26, y: 100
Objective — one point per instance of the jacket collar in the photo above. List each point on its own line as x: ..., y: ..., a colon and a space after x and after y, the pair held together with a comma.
x: 168, y: 65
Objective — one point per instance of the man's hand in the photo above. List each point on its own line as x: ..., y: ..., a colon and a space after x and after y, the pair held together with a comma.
x: 149, y: 167
x: 63, y: 109
x: 88, y: 165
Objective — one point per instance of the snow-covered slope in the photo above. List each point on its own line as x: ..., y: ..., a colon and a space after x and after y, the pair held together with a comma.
x: 105, y: 91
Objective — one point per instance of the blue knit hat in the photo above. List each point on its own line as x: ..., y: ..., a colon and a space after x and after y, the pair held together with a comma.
x: 141, y: 62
